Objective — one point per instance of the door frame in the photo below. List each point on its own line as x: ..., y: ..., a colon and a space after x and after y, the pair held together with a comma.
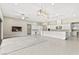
x: 30, y: 27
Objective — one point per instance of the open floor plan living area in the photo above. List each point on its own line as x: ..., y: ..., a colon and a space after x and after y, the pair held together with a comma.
x: 39, y: 28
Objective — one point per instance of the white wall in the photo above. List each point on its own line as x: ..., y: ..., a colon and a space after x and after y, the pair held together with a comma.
x: 9, y: 22
x: 70, y: 20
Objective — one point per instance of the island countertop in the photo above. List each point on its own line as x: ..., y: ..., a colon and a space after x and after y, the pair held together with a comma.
x: 55, y: 34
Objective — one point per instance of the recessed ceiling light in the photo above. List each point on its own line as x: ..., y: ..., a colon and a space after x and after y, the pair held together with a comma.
x: 23, y: 17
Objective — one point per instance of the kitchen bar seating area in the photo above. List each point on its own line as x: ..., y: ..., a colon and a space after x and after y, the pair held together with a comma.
x: 39, y: 28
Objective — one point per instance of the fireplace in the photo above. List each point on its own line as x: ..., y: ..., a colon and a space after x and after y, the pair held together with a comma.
x: 16, y: 29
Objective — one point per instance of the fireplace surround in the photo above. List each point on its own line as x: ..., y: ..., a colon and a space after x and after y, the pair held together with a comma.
x: 16, y: 29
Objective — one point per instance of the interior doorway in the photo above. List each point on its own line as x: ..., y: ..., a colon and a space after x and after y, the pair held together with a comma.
x: 44, y: 28
x: 29, y: 27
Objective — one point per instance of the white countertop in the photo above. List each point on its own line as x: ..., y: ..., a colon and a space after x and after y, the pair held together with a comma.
x: 55, y: 34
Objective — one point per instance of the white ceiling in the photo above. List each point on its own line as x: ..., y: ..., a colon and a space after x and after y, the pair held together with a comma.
x: 56, y: 11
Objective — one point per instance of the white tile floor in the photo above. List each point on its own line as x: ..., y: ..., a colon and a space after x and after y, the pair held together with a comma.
x: 39, y: 46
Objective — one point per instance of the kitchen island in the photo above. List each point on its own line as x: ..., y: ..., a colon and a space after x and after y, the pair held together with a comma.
x: 55, y: 34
